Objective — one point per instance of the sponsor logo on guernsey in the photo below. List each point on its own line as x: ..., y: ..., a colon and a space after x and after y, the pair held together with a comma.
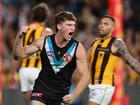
x: 103, y: 49
x: 37, y: 94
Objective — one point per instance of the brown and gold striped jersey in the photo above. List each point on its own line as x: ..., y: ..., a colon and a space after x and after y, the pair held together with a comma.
x: 102, y: 61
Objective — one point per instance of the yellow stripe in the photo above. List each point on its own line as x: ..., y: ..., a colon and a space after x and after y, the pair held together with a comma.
x: 23, y: 64
x: 39, y: 32
x: 93, y: 50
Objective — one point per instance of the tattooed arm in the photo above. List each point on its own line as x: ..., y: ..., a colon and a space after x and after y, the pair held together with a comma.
x: 20, y: 52
x: 120, y: 48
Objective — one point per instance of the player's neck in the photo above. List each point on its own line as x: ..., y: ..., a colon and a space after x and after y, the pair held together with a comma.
x: 60, y: 41
x: 105, y: 37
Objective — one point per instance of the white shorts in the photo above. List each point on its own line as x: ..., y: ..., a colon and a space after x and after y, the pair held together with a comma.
x: 101, y: 94
x: 27, y: 78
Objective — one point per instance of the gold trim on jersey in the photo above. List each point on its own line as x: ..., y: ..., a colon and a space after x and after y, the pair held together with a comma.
x: 102, y: 61
x: 32, y: 35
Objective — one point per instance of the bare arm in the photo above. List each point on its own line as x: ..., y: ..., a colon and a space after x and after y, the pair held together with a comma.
x: 82, y: 68
x: 20, y: 52
x: 119, y: 47
x: 83, y: 72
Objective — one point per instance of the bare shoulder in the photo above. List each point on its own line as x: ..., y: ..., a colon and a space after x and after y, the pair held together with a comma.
x: 118, y: 46
x: 80, y: 51
x: 47, y: 31
x: 119, y: 43
x: 80, y: 47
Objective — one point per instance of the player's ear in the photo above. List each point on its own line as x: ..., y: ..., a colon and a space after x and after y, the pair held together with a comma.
x: 59, y: 26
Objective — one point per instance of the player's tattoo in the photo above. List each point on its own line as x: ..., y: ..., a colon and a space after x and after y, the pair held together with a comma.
x: 21, y: 52
x: 29, y: 49
x: 16, y: 51
x: 123, y: 52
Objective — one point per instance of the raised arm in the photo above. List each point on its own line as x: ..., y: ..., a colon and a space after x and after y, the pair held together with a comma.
x: 82, y: 71
x: 120, y: 48
x: 19, y: 51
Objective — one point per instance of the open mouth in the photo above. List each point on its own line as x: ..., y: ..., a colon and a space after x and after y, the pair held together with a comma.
x: 71, y: 33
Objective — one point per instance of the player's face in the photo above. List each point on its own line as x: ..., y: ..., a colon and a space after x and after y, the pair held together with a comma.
x: 67, y: 29
x: 105, y: 27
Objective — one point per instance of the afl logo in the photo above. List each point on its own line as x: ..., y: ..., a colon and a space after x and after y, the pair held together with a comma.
x: 49, y: 53
x: 67, y: 57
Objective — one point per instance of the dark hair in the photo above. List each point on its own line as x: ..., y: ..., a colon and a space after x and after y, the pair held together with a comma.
x: 40, y: 12
x: 63, y: 16
x: 108, y: 16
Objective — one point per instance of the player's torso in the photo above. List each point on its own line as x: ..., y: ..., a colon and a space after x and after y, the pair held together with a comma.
x: 102, y: 62
x: 58, y: 64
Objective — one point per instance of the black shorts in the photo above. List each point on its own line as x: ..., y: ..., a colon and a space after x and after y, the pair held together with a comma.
x: 38, y: 96
x: 43, y: 94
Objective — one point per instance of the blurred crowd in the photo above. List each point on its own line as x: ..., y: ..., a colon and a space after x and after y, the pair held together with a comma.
x: 16, y: 13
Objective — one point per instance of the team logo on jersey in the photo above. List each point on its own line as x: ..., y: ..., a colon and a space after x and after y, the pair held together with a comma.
x: 67, y: 57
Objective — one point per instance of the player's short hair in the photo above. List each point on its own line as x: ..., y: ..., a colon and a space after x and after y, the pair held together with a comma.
x: 108, y: 16
x: 63, y: 16
x: 40, y: 12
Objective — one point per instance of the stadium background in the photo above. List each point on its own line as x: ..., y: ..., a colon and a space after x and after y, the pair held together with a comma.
x: 15, y: 13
